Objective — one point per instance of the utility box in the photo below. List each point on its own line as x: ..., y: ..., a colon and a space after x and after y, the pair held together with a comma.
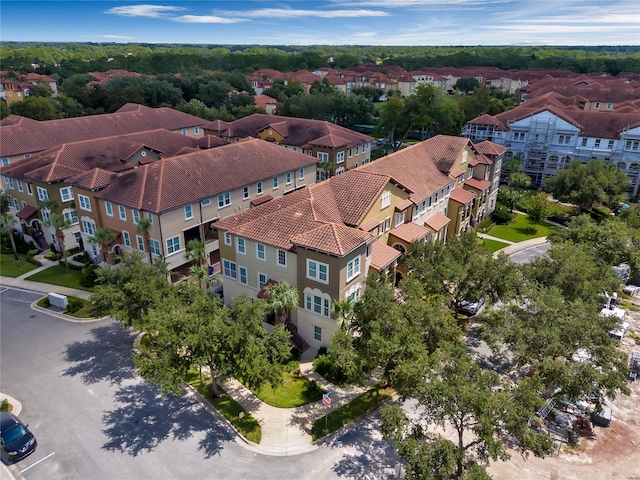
x: 602, y: 418
x: 57, y: 300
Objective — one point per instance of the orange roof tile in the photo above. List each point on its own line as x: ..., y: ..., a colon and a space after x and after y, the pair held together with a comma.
x: 461, y: 195
x: 477, y: 183
x: 437, y: 221
x: 409, y: 232
x: 382, y: 255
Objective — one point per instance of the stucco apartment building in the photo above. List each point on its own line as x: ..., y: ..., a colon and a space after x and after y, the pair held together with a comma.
x: 326, y: 238
x: 335, y: 148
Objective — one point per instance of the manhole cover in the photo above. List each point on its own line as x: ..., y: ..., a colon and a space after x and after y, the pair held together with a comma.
x: 32, y: 316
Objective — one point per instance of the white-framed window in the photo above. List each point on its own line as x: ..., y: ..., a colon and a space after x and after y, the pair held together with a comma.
x: 46, y: 214
x: 140, y: 242
x: 188, y: 212
x: 154, y: 246
x: 24, y: 204
x: 227, y: 238
x: 8, y: 182
x: 288, y: 178
x: 632, y: 145
x: 71, y: 217
x: 229, y: 269
x: 317, y: 333
x: 196, y: 130
x: 261, y: 253
x: 597, y: 105
x: 20, y: 186
x: 584, y: 142
x: 398, y: 220
x: 262, y: 280
x: 173, y: 244
x: 184, y: 131
x: 88, y: 226
x: 241, y: 246
x: 275, y: 183
x: 150, y: 217
x: 282, y: 258
x: 357, y: 150
x: 386, y: 200
x: 610, y: 145
x: 126, y: 238
x: 122, y: 212
x: 224, y: 200
x: 597, y: 143
x: 323, y: 157
x: 317, y: 271
x: 365, y: 147
x: 108, y: 206
x: 206, y: 202
x: 353, y: 269
x: 66, y: 194
x: 340, y: 157
x: 136, y: 216
x: 29, y: 189
x: 5, y: 161
x: 85, y: 203
x: 243, y: 275
x: 563, y: 139
x: 42, y: 194
x: 259, y: 188
x: 301, y: 174
x: 350, y: 152
x: 609, y: 106
x: 246, y: 193
x: 317, y: 304
x: 387, y: 224
x: 340, y: 171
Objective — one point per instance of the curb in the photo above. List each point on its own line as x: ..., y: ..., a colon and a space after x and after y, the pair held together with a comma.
x: 62, y: 316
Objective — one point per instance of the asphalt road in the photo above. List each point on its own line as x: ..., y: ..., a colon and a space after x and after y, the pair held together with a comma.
x: 528, y: 254
x: 94, y: 418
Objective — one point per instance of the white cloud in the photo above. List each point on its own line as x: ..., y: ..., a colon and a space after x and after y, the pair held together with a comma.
x: 416, y: 3
x: 119, y: 37
x: 207, y: 19
x: 296, y: 13
x: 150, y: 11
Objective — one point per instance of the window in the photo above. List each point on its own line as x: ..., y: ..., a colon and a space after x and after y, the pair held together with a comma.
x: 243, y: 275
x: 632, y: 145
x: 597, y: 143
x: 5, y: 161
x: 241, y: 246
x: 196, y: 130
x: 260, y: 252
x: 563, y: 139
x: 173, y: 245
x: 340, y: 171
x: 275, y: 183
x: 340, y: 157
x: 318, y: 271
x: 609, y: 106
x: 386, y: 200
x: 154, y: 246
x: 357, y: 150
x: 140, y: 241
x: 597, y: 105
x: 350, y: 152
x: 109, y: 208
x: 126, y: 238
x: 259, y: 188
x: 85, y: 203
x: 66, y: 194
x: 387, y: 224
x: 353, y: 268
x: 323, y: 157
x: 224, y: 200
x: 610, y: 145
x: 150, y: 217
x: 206, y: 202
x: 71, y: 217
x: 29, y: 189
x: 301, y: 174
x: 229, y: 269
x: 136, y: 216
x: 317, y: 304
x: 399, y: 219
x: 584, y: 142
x: 227, y: 238
x: 88, y: 227
x: 288, y: 178
x: 245, y: 193
x: 184, y: 131
x: 317, y: 333
x: 42, y: 194
x: 46, y: 214
x: 8, y: 181
x: 262, y: 280
x: 20, y: 187
x: 282, y: 258
x: 188, y: 212
x: 122, y: 212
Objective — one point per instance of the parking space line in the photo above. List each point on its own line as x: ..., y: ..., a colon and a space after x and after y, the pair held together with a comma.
x: 4, y: 290
x: 33, y: 465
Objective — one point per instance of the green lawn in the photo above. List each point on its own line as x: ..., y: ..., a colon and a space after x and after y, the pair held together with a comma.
x: 295, y: 391
x: 520, y: 229
x: 227, y: 406
x: 84, y: 312
x: 56, y: 275
x: 359, y: 406
x: 10, y: 268
x: 493, y: 245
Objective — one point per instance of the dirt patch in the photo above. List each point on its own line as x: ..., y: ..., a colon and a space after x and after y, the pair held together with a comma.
x: 614, y: 454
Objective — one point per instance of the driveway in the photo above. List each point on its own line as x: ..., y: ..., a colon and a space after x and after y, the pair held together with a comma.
x: 96, y: 419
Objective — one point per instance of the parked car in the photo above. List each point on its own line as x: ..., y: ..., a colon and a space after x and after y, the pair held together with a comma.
x: 16, y: 440
x: 471, y: 308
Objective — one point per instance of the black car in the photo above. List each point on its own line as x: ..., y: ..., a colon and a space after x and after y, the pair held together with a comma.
x: 17, y: 441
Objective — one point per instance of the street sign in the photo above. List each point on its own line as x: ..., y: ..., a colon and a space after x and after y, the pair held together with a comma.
x: 326, y: 399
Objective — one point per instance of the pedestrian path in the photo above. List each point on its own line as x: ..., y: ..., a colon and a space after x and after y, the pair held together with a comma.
x: 501, y: 240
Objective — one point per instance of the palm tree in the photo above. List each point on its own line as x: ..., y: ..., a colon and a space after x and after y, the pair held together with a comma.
x: 57, y: 221
x: 144, y: 228
x: 102, y: 237
x: 196, y: 251
x: 342, y: 311
x: 327, y: 167
x: 281, y: 297
x: 513, y: 165
x: 201, y: 273
x: 9, y: 221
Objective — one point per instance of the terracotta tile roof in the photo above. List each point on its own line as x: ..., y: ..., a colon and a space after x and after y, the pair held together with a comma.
x: 370, y: 225
x: 413, y: 169
x: 177, y: 181
x: 35, y: 136
x: 409, y: 232
x: 27, y: 212
x: 331, y: 141
x: 94, y: 179
x: 461, y: 195
x: 210, y: 141
x: 477, y: 183
x: 333, y: 239
x: 437, y: 221
x: 445, y: 150
x: 490, y: 149
x: 403, y: 205
x: 484, y: 120
x: 298, y: 132
x: 382, y: 255
x: 261, y: 200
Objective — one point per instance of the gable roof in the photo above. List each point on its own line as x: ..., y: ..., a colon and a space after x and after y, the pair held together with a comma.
x: 445, y: 150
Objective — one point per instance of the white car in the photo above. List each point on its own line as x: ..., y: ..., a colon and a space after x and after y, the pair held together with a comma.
x: 471, y: 308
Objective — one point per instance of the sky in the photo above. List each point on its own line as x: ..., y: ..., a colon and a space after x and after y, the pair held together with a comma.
x: 326, y: 22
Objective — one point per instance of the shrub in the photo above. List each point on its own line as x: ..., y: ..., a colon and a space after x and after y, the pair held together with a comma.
x: 34, y: 261
x: 485, y: 225
x: 89, y: 275
x: 4, y: 405
x: 74, y: 305
x: 33, y: 252
x: 52, y: 247
x: 324, y: 366
x: 52, y: 256
x: 322, y: 351
x: 501, y: 215
x: 83, y: 258
x: 73, y: 251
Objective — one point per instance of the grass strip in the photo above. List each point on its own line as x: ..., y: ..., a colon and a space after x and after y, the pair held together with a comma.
x: 84, y: 312
x: 10, y: 268
x: 359, y: 406
x: 57, y: 275
x: 294, y: 391
x: 493, y: 245
x: 521, y: 228
x: 227, y: 406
